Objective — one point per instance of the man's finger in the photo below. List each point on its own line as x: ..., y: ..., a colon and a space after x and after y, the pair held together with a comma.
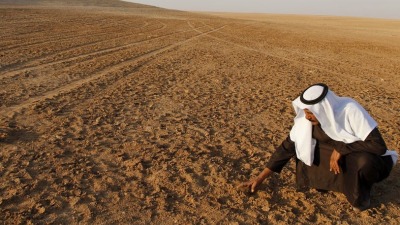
x: 244, y: 186
x: 337, y: 169
x: 253, y: 187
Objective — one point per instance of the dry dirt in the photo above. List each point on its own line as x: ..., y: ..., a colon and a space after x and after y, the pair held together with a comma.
x: 119, y: 113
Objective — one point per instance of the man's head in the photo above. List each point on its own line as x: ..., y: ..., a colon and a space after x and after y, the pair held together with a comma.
x: 311, y: 117
x: 310, y: 99
x: 314, y: 94
x: 310, y: 102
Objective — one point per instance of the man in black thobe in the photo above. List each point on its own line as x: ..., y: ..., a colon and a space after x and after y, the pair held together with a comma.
x: 338, y: 147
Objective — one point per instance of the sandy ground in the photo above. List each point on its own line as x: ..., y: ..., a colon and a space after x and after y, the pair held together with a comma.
x: 118, y: 113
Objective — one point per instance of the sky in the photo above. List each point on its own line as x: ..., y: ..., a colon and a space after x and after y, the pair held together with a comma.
x: 389, y: 9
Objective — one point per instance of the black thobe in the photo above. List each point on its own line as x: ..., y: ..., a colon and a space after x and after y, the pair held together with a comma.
x: 361, y: 165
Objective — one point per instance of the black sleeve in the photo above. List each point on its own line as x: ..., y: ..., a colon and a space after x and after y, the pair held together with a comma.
x: 374, y: 143
x: 282, y: 155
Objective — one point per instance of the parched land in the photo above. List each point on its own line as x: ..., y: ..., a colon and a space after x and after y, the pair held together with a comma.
x: 120, y: 113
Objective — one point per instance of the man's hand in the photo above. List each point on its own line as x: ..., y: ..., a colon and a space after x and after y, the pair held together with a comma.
x: 334, y: 162
x: 250, y: 185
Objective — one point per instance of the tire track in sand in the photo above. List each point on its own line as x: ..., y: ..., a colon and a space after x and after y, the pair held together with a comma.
x: 30, y: 66
x: 69, y: 35
x: 12, y: 110
x: 12, y: 66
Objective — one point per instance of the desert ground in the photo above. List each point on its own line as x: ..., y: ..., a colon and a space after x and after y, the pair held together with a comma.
x: 120, y: 113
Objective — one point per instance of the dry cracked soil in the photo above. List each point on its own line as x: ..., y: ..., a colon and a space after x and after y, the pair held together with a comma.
x: 120, y: 113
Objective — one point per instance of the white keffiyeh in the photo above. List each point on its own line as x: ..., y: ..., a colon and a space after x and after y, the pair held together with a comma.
x: 341, y: 118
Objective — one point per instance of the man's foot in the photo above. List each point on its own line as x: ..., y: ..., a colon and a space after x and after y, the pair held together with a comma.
x: 322, y: 190
x: 364, y: 205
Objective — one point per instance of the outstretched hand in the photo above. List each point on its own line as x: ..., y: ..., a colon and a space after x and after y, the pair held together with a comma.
x: 250, y: 185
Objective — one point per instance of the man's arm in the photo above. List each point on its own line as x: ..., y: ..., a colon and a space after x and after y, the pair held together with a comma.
x: 374, y: 143
x: 276, y: 163
x: 282, y: 155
